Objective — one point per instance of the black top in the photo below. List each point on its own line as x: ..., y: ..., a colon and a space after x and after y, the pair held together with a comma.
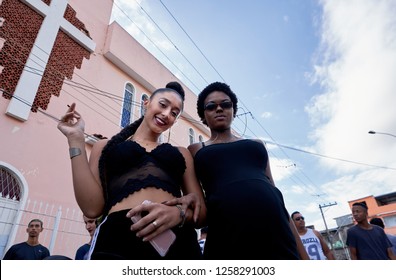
x: 247, y: 218
x: 250, y: 156
x: 130, y: 168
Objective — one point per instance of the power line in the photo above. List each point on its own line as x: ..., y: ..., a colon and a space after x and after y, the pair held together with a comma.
x: 185, y: 32
x: 158, y: 48
x: 174, y: 45
x: 330, y: 157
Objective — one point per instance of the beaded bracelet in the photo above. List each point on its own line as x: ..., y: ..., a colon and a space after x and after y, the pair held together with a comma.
x: 182, y: 215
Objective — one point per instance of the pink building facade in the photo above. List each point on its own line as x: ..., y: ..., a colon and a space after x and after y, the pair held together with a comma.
x: 54, y: 53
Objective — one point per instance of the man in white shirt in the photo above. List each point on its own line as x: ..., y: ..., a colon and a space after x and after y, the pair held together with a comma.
x: 312, y: 240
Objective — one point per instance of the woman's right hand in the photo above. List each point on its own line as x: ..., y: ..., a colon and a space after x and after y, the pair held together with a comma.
x: 71, y: 124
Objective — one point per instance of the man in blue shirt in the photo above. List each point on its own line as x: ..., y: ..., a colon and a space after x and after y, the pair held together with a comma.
x: 82, y: 252
x: 31, y: 249
x: 365, y: 241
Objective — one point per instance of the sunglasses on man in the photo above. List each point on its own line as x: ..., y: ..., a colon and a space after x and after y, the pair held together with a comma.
x: 211, y: 106
x: 299, y: 218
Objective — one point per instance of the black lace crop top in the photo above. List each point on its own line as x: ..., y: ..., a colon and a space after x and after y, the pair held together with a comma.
x: 130, y: 168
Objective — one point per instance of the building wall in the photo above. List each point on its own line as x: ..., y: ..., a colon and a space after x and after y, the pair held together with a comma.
x: 38, y: 152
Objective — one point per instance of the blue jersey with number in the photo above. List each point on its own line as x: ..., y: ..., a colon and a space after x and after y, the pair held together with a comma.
x: 312, y: 245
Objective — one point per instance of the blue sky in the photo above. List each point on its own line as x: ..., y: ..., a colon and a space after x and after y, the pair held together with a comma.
x: 315, y: 76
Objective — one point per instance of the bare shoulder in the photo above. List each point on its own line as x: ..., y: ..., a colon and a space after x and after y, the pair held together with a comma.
x: 184, y: 151
x: 97, y: 148
x: 317, y: 233
x: 194, y: 148
x: 99, y: 145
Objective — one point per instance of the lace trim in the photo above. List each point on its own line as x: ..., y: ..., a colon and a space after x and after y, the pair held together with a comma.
x: 134, y: 185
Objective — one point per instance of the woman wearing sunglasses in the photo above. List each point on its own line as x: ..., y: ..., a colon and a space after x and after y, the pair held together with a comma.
x: 246, y: 217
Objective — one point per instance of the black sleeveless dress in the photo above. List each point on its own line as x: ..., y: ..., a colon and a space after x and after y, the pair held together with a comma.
x: 247, y: 218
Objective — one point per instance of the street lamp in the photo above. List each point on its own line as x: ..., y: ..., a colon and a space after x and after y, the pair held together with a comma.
x: 376, y: 132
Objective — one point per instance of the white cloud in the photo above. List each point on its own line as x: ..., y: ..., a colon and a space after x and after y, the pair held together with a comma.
x: 356, y: 72
x: 281, y: 168
x: 266, y: 115
x: 130, y: 16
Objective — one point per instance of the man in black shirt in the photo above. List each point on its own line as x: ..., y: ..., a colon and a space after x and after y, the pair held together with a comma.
x: 31, y: 249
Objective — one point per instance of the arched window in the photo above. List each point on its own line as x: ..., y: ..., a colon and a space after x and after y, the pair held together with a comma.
x: 9, y: 185
x: 127, y: 106
x: 142, y: 109
x: 191, y: 136
x: 200, y: 138
x: 13, y: 195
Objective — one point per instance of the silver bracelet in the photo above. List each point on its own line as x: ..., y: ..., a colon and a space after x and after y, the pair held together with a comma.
x: 74, y: 152
x: 182, y: 215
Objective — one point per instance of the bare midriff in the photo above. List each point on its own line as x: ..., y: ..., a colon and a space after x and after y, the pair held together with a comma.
x: 151, y: 193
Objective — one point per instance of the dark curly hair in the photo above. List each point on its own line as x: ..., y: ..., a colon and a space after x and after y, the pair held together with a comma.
x: 127, y: 132
x: 216, y: 86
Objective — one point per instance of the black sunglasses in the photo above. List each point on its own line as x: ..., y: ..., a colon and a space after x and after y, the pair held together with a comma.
x: 211, y: 106
x: 299, y: 218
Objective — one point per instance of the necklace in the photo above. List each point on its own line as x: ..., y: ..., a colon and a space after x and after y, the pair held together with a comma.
x: 228, y: 140
x: 147, y: 145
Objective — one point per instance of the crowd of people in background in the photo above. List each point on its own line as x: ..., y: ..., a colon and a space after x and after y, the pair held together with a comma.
x: 222, y: 188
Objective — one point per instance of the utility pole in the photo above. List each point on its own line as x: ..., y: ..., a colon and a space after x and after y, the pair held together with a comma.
x: 324, y: 220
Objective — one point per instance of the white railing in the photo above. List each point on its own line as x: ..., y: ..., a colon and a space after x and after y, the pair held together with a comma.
x: 64, y: 229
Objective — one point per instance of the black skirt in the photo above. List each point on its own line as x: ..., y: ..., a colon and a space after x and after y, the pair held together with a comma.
x: 114, y: 240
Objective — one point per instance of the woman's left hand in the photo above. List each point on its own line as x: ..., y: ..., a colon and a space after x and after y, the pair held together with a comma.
x: 159, y: 218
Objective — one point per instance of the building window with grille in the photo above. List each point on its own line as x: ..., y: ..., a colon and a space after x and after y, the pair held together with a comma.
x: 9, y: 185
x: 142, y: 109
x: 191, y: 136
x: 127, y: 106
x: 200, y: 138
